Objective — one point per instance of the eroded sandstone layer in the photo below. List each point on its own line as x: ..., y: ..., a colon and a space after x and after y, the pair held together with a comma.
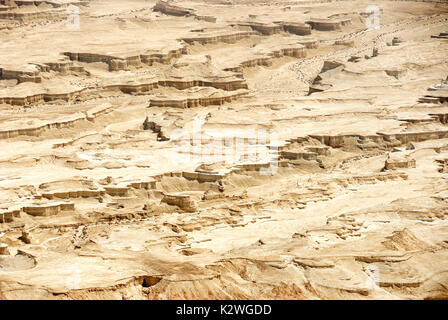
x: 240, y: 149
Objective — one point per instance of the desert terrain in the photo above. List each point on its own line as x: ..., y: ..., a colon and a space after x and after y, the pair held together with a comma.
x: 223, y: 149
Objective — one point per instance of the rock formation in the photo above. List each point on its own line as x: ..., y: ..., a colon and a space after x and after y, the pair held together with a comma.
x: 223, y: 150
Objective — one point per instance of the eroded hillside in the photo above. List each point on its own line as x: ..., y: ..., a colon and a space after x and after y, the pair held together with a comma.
x: 235, y: 149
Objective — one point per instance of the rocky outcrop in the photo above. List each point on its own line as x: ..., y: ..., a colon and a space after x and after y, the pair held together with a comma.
x: 441, y: 35
x: 195, y: 102
x: 172, y: 10
x: 292, y: 155
x: 62, y: 67
x: 54, y: 4
x: 345, y: 42
x: 40, y: 98
x: 436, y: 97
x: 66, y: 122
x: 319, y: 150
x: 206, y: 18
x: 327, y: 24
x: 396, y: 41
x: 230, y: 85
x: 331, y: 64
x: 147, y: 185
x: 407, y: 137
x: 309, y: 43
x: 20, y: 76
x: 263, y: 28
x: 91, y: 191
x: 122, y: 63
x: 386, y: 139
x: 429, y: 99
x: 117, y: 191
x: 396, y: 73
x: 8, y: 215
x: 44, y: 126
x: 317, y: 84
x: 268, y: 29
x: 72, y: 194
x: 48, y: 209
x: 443, y: 165
x: 300, y: 29
x: 442, y: 117
x: 4, y: 8
x: 295, y: 52
x: 392, y: 163
x: 95, y: 112
x: 4, y: 251
x: 182, y: 201
x: 365, y: 179
x: 202, y: 176
x: 154, y: 127
x: 27, y: 16
x: 226, y: 38
x: 166, y: 8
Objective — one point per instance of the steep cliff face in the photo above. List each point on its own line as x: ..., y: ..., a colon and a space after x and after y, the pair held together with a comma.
x: 118, y: 63
x: 328, y: 24
x: 166, y: 8
x: 211, y: 99
x: 226, y: 38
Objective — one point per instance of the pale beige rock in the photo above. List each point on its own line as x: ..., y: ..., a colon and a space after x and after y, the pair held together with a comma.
x: 223, y: 150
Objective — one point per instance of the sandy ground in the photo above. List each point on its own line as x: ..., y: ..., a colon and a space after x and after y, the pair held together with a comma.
x: 223, y: 150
